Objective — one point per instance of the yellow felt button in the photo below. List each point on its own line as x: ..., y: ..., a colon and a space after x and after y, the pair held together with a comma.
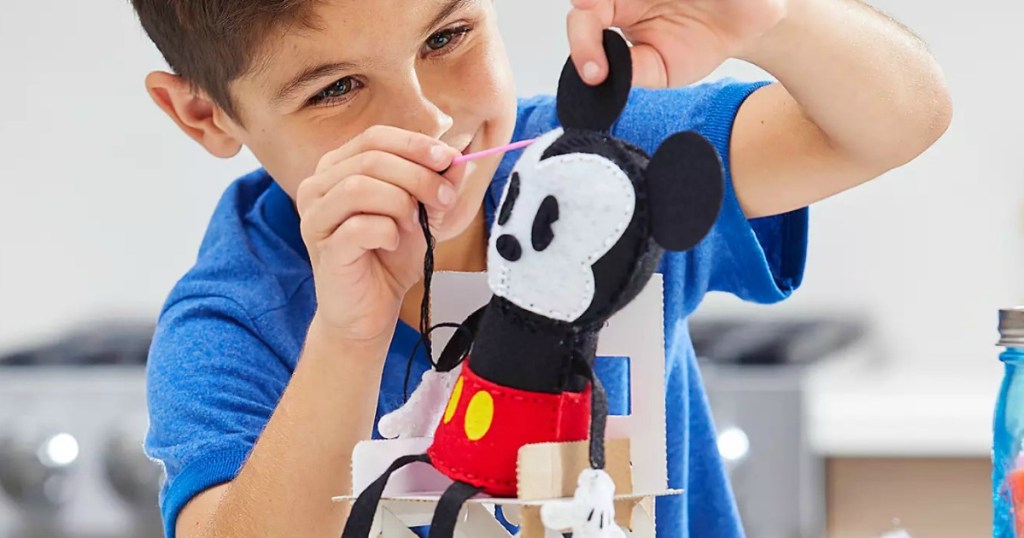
x: 479, y: 415
x: 453, y: 402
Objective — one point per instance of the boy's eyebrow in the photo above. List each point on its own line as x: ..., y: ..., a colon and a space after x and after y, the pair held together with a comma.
x: 320, y: 71
x: 310, y: 74
x: 449, y: 7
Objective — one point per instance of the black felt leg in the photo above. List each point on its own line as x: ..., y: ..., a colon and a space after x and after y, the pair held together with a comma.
x: 360, y: 519
x: 598, y: 412
x: 598, y: 419
x: 447, y: 513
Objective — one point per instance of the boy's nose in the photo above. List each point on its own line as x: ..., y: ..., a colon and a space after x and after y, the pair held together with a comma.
x: 411, y: 109
x: 509, y: 248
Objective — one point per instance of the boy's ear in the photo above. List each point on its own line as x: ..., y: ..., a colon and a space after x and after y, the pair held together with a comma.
x: 196, y: 114
x: 684, y: 188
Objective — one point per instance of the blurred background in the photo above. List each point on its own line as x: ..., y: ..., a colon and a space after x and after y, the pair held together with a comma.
x: 859, y: 407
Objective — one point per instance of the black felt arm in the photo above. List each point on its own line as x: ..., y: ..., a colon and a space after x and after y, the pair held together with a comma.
x: 461, y: 342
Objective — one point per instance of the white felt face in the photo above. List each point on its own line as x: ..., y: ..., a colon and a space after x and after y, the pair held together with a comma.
x: 593, y: 200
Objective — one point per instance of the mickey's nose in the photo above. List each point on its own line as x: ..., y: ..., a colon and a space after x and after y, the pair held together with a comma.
x: 509, y: 248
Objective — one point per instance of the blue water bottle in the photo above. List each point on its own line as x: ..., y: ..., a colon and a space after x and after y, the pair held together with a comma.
x: 1008, y: 431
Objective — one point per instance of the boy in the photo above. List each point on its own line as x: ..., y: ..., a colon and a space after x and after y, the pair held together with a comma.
x: 276, y: 353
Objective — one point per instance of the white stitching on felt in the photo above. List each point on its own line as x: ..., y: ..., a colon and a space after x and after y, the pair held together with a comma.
x: 587, y: 263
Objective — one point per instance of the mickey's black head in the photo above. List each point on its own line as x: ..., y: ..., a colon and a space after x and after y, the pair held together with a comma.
x: 585, y: 217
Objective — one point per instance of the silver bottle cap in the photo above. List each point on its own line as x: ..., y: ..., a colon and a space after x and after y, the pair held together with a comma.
x: 1011, y: 327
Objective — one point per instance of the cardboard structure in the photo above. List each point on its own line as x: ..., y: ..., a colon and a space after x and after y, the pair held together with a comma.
x: 636, y: 446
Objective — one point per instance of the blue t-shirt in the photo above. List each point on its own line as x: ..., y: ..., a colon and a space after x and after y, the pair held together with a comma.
x: 232, y: 329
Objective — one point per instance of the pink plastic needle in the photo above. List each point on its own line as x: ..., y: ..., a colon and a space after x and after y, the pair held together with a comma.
x: 493, y: 151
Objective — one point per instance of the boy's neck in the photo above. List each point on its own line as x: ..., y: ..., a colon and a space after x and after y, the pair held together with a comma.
x: 464, y: 253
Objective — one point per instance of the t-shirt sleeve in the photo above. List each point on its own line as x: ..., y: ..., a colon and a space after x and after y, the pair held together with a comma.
x: 212, y: 386
x: 759, y: 260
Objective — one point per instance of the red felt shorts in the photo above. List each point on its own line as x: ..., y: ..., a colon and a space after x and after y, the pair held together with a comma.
x: 484, y: 426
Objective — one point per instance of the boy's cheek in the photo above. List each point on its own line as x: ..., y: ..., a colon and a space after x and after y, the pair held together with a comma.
x: 288, y: 168
x: 290, y: 151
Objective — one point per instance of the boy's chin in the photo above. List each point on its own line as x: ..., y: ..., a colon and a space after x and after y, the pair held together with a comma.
x: 457, y: 221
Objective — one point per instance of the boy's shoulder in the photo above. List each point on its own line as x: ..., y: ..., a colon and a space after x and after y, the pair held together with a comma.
x: 248, y: 255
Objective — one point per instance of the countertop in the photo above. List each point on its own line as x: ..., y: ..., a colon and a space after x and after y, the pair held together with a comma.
x: 862, y: 408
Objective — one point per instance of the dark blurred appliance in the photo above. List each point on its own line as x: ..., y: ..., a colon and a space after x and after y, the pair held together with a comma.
x: 72, y: 422
x: 754, y: 373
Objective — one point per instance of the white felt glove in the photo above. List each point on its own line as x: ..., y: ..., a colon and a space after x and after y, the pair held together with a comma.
x: 591, y: 512
x: 420, y: 415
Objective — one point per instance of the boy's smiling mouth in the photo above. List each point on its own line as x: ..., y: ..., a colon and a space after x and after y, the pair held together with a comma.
x: 464, y: 143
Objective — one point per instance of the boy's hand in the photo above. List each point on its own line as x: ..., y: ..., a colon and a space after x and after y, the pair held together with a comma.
x: 360, y: 224
x: 675, y: 42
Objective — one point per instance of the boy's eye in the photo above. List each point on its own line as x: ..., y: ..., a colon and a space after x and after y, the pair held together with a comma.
x: 339, y: 89
x: 439, y: 40
x: 444, y: 39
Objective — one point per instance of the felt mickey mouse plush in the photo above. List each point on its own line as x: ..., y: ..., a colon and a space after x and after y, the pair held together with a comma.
x: 582, y: 226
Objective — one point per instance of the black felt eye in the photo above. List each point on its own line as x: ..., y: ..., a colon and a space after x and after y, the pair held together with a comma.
x: 510, y: 199
x: 543, y: 234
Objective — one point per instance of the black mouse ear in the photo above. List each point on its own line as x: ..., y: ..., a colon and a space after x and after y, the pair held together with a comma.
x: 595, y: 108
x: 684, y: 189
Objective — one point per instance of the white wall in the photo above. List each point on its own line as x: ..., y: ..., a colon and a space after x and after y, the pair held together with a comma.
x: 103, y: 202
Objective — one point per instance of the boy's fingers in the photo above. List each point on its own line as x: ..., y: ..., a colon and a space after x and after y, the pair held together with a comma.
x: 456, y: 174
x: 359, y: 195
x: 661, y: 60
x: 424, y: 184
x: 649, y: 69
x: 416, y: 147
x: 360, y: 234
x: 586, y: 46
x: 584, y: 4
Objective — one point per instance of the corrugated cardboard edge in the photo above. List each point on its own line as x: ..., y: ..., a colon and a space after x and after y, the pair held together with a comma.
x: 547, y: 470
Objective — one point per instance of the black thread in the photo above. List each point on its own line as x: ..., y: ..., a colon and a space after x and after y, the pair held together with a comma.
x: 415, y: 348
x: 428, y: 274
x: 425, y: 328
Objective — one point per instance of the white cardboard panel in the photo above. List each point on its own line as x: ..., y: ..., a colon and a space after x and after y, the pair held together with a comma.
x: 371, y: 458
x: 411, y: 513
x: 480, y: 522
x: 393, y: 527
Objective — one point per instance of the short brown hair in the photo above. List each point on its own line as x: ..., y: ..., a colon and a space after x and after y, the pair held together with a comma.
x: 210, y: 43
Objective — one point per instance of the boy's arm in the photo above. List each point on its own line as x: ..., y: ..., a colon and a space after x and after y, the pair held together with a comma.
x: 858, y: 93
x: 366, y: 253
x: 303, y: 456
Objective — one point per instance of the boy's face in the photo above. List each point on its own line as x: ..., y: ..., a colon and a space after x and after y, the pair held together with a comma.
x: 436, y: 67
